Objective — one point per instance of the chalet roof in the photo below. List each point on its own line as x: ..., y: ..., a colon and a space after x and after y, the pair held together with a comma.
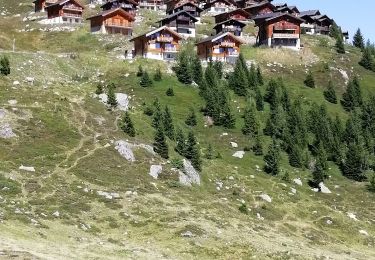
x: 219, y: 36
x: 233, y: 11
x: 158, y: 30
x: 108, y: 12
x: 176, y: 14
x: 182, y: 3
x: 61, y: 2
x: 278, y: 5
x: 133, y: 2
x: 272, y: 16
x: 230, y: 20
x: 209, y: 3
x: 259, y: 5
x: 309, y: 13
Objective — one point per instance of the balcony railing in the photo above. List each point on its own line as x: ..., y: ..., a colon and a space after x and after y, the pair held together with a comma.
x: 322, y: 28
x: 171, y: 49
x: 285, y: 27
x: 164, y: 39
x: 72, y: 7
x: 72, y: 15
x: 227, y: 44
x: 285, y: 36
x: 119, y: 25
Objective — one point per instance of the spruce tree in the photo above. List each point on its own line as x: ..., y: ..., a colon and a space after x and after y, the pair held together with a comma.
x: 358, y: 40
x: 191, y: 120
x: 352, y: 98
x: 309, y: 81
x: 145, y: 80
x: 140, y: 71
x: 158, y: 75
x: 160, y: 143
x: 259, y: 99
x: 252, y: 77
x: 169, y: 92
x: 4, y: 66
x: 367, y: 60
x: 168, y: 123
x: 218, y: 67
x: 192, y: 151
x: 183, y: 68
x: 272, y: 159
x: 330, y: 93
x: 157, y: 118
x: 340, y: 47
x: 319, y: 173
x: 111, y: 96
x: 180, y: 142
x: 296, y: 156
x: 251, y: 125
x: 335, y: 31
x: 197, y: 70
x: 210, y: 152
x: 227, y: 119
x: 99, y: 89
x: 355, y: 163
x: 238, y: 79
x: 272, y: 93
x: 127, y: 125
x: 260, y: 77
x: 258, y: 147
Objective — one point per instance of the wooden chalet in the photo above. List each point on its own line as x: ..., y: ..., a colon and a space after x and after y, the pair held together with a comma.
x: 246, y: 3
x: 223, y: 47
x: 129, y: 6
x: 112, y: 21
x: 287, y: 9
x: 231, y: 25
x: 261, y: 8
x: 220, y: 6
x: 154, y: 5
x: 189, y: 6
x: 40, y: 5
x: 238, y: 14
x: 65, y: 11
x: 279, y: 30
x: 160, y: 44
x: 181, y: 22
x: 315, y: 22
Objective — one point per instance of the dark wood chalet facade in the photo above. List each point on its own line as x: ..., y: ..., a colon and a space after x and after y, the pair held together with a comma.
x: 279, y: 30
x: 40, y: 5
x: 261, y: 8
x: 315, y: 22
x: 233, y: 26
x: 223, y: 47
x: 129, y: 6
x: 188, y: 6
x: 154, y: 5
x: 181, y: 22
x: 65, y: 11
x: 238, y: 14
x: 112, y: 21
x: 160, y: 44
x: 220, y: 6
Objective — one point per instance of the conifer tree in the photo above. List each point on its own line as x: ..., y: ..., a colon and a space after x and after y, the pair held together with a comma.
x: 99, y: 89
x: 127, y: 125
x: 169, y: 92
x: 309, y: 81
x: 140, y: 71
x: 168, y: 123
x: 160, y: 143
x: 258, y: 147
x: 183, y: 68
x: 145, y: 80
x: 180, y: 142
x: 227, y: 119
x: 218, y: 67
x: 238, y: 79
x: 335, y: 31
x: 358, y: 40
x: 197, y: 70
x: 157, y: 119
x: 367, y: 60
x: 272, y: 159
x: 330, y: 93
x: 355, y: 163
x: 340, y: 47
x: 260, y: 76
x: 191, y: 120
x: 4, y: 66
x: 158, y: 75
x: 251, y: 125
x: 296, y: 156
x: 276, y: 123
x: 210, y: 152
x: 259, y: 100
x: 371, y: 185
x: 252, y: 77
x: 192, y: 152
x: 272, y: 96
x: 352, y: 98
x: 319, y: 173
x: 111, y: 96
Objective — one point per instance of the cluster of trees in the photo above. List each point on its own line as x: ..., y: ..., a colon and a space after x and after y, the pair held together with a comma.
x: 4, y: 66
x: 145, y: 80
x: 336, y: 33
x: 110, y: 91
x: 368, y: 51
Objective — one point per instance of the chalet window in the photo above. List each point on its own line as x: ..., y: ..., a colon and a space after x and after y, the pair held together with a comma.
x: 157, y: 45
x: 221, y: 50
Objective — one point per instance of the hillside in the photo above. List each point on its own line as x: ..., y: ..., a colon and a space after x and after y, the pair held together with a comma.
x: 86, y: 201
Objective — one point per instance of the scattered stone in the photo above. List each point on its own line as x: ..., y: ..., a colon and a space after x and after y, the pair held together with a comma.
x: 293, y: 190
x: 231, y: 178
x: 352, y: 216
x: 260, y: 217
x: 189, y: 176
x: 329, y: 222
x: 26, y: 168
x: 6, y: 131
x: 323, y: 188
x: 108, y: 195
x: 363, y: 232
x: 16, y: 83
x: 12, y: 102
x: 265, y: 197
x: 187, y: 234
x: 56, y: 214
x: 298, y: 181
x: 125, y: 150
x: 239, y: 154
x: 155, y: 170
x: 233, y: 144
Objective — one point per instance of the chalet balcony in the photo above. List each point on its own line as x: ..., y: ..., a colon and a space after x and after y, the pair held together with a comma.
x: 118, y: 25
x: 285, y: 28
x: 322, y: 29
x: 72, y: 8
x: 171, y: 49
x: 189, y: 8
x: 227, y: 44
x: 151, y: 4
x: 183, y: 18
x: 285, y: 36
x: 164, y: 39
x: 70, y: 15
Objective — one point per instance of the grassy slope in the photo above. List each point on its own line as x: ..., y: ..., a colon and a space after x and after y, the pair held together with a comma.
x: 56, y: 121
